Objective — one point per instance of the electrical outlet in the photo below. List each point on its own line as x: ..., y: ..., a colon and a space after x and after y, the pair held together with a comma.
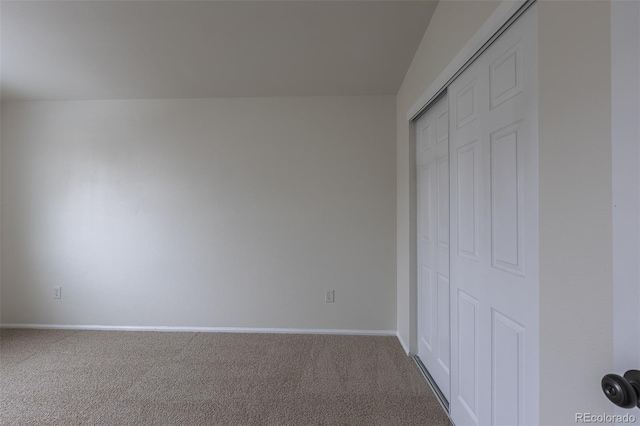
x: 57, y: 292
x: 330, y: 296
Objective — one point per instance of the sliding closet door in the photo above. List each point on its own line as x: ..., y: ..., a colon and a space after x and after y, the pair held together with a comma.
x: 494, y: 232
x: 432, y: 154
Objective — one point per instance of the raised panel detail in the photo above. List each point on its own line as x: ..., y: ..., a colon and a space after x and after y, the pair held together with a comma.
x: 467, y: 105
x: 444, y: 347
x: 467, y: 201
x: 425, y: 294
x: 505, y: 75
x: 507, y: 199
x: 442, y: 166
x: 507, y: 381
x: 442, y: 126
x: 426, y: 137
x: 468, y: 362
x: 426, y: 201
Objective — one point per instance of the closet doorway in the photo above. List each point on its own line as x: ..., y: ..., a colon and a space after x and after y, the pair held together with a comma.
x: 477, y: 245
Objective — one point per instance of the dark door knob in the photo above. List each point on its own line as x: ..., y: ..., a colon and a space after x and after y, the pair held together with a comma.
x: 633, y: 377
x: 623, y: 391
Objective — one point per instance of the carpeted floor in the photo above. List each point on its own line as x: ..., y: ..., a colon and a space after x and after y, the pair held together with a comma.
x: 57, y: 377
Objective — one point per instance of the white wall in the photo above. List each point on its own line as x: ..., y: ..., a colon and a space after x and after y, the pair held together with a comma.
x: 576, y: 291
x: 0, y: 211
x: 625, y: 140
x: 213, y: 212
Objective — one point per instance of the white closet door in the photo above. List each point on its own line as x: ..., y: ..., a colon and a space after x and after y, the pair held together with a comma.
x: 432, y: 154
x: 494, y: 233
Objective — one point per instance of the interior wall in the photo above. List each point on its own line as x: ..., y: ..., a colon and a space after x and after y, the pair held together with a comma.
x: 0, y: 210
x: 210, y: 213
x: 452, y: 25
x: 576, y: 292
x: 0, y: 184
x: 625, y: 140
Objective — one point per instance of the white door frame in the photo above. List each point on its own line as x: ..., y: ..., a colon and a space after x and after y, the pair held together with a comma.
x: 625, y: 146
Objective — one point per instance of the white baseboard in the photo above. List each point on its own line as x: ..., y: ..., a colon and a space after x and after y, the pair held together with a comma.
x: 205, y: 329
x: 403, y: 344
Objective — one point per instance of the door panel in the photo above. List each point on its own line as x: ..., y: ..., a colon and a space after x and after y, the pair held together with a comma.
x: 432, y: 148
x: 444, y: 333
x: 494, y: 232
x: 505, y: 75
x: 426, y: 203
x: 425, y: 318
x: 467, y: 201
x: 507, y: 356
x: 442, y: 167
x: 468, y: 359
x: 507, y: 187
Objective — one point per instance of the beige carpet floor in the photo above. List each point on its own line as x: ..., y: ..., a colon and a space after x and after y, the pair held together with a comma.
x: 57, y: 377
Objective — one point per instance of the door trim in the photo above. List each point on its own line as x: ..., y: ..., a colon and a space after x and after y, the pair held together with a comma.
x: 507, y: 12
